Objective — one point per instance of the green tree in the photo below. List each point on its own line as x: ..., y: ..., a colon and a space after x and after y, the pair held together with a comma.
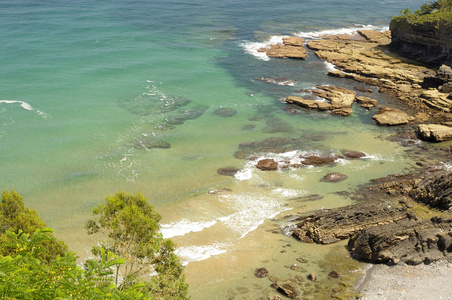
x: 132, y: 226
x: 15, y: 217
x: 24, y: 276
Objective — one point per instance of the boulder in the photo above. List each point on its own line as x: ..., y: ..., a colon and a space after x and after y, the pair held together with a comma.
x: 293, y: 41
x: 149, y: 142
x: 353, y: 154
x: 261, y: 273
x: 288, y: 289
x: 435, y: 132
x: 390, y: 116
x: 267, y: 165
x: 313, y: 160
x: 334, y: 177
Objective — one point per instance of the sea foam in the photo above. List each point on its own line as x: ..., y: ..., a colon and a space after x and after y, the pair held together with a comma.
x: 183, y: 227
x: 338, y: 31
x: 25, y: 106
x: 197, y: 253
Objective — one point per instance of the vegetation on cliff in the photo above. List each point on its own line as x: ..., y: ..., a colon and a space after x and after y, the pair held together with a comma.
x: 35, y: 265
x: 438, y: 13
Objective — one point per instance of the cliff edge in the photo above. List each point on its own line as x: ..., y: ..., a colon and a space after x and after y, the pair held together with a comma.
x: 424, y: 36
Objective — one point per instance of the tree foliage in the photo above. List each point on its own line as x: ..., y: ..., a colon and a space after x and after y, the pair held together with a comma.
x: 132, y: 226
x: 15, y: 217
x: 24, y: 276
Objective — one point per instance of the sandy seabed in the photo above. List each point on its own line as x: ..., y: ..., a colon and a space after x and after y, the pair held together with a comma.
x: 433, y: 281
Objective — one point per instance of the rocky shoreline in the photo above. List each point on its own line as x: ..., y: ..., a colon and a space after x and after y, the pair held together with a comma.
x: 398, y: 220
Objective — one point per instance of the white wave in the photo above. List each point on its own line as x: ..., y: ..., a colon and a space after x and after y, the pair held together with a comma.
x: 330, y: 67
x: 348, y: 30
x: 25, y: 106
x: 183, y: 227
x: 252, y: 211
x: 197, y: 253
x: 253, y: 47
x: 288, y: 192
x: 244, y: 174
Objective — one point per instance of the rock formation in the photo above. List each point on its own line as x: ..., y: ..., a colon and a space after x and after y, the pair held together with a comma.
x: 435, y: 132
x: 423, y: 38
x: 292, y: 47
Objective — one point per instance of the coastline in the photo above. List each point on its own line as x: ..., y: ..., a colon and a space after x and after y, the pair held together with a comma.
x: 406, y: 282
x: 366, y: 60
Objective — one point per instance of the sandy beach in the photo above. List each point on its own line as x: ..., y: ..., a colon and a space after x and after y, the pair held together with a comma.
x: 402, y: 281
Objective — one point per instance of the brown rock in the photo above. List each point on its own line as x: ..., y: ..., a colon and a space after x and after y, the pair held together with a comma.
x: 342, y: 112
x: 390, y: 116
x: 267, y: 165
x: 261, y: 273
x: 333, y: 274
x: 334, y: 177
x: 382, y: 38
x: 292, y: 47
x: 312, y: 277
x: 435, y: 132
x: 338, y: 96
x: 288, y: 289
x: 318, y: 160
x: 366, y: 102
x: 353, y: 154
x: 293, y: 41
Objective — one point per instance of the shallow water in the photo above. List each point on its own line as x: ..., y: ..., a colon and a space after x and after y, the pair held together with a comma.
x: 86, y: 85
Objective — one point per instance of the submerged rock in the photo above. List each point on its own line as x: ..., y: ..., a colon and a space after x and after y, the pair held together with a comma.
x: 149, y: 142
x: 334, y: 177
x: 225, y: 112
x: 228, y: 171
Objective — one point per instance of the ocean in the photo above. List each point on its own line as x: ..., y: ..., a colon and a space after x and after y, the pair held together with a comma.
x: 155, y: 97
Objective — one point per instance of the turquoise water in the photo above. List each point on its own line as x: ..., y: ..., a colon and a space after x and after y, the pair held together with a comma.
x: 85, y: 84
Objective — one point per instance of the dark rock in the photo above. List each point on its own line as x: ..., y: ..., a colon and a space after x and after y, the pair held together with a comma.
x: 261, y: 273
x: 353, y: 154
x: 333, y: 274
x: 288, y: 289
x: 435, y: 190
x: 409, y: 241
x: 278, y: 81
x: 326, y: 227
x: 312, y: 277
x: 267, y: 165
x: 228, y: 171
x: 225, y: 112
x: 334, y: 177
